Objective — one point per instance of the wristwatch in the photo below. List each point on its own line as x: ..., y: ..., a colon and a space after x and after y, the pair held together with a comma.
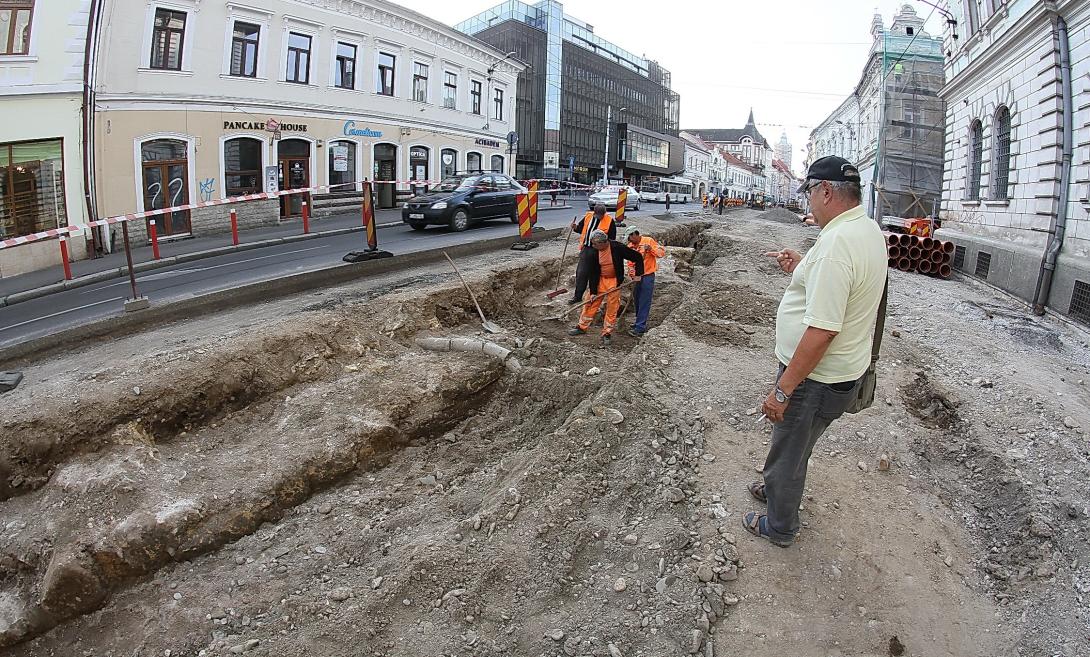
x: 781, y: 396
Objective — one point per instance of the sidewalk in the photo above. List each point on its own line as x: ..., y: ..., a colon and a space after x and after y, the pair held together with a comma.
x: 31, y: 285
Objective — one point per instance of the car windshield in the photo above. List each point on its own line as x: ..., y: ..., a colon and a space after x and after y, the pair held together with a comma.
x: 455, y: 183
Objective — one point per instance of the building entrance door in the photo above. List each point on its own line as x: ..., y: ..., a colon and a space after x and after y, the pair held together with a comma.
x: 165, y: 175
x: 294, y: 172
x: 386, y: 169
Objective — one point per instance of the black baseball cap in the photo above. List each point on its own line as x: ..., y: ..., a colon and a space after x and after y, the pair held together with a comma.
x: 831, y: 168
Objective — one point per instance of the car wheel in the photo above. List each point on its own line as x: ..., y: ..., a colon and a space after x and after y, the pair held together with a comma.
x: 515, y: 214
x: 459, y: 221
x: 418, y: 226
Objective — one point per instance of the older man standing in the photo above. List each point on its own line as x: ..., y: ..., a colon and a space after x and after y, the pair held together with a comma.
x: 824, y: 332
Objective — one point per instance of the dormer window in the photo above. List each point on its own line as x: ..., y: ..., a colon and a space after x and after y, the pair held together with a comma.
x: 909, y: 31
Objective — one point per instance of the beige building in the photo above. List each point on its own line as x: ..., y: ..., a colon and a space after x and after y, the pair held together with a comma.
x: 41, y: 92
x: 200, y: 100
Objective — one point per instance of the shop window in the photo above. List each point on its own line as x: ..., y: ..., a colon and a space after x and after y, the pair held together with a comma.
x: 167, y: 38
x: 448, y: 158
x: 346, y: 66
x: 342, y: 163
x: 31, y: 187
x: 497, y: 163
x: 420, y: 82
x: 244, y: 45
x: 1001, y: 166
x: 475, y: 96
x: 298, y: 58
x: 418, y: 167
x: 473, y: 162
x: 242, y: 166
x: 385, y: 80
x: 15, y: 17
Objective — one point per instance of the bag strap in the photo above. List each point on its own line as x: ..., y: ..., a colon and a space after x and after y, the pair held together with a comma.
x: 879, y: 324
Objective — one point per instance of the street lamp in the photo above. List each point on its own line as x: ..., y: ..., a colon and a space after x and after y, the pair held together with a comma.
x: 605, y: 158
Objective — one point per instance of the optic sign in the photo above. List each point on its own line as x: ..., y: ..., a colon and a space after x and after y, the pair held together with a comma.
x: 340, y: 158
x: 418, y: 153
x: 487, y: 142
x: 350, y: 130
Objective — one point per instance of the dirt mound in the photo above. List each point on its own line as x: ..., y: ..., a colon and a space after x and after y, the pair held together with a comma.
x: 782, y: 216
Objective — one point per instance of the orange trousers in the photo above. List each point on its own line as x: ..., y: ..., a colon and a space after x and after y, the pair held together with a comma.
x: 613, y: 306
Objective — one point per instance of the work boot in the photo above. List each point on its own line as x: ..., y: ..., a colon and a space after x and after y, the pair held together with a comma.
x: 573, y: 301
x: 575, y: 330
x: 607, y: 340
x: 634, y: 333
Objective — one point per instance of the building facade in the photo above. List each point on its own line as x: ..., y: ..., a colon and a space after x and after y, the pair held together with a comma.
x: 43, y: 45
x: 784, y: 183
x: 1017, y: 176
x: 748, y: 145
x: 698, y: 157
x: 891, y: 124
x: 741, y: 179
x: 783, y: 150
x: 198, y: 101
x: 579, y: 88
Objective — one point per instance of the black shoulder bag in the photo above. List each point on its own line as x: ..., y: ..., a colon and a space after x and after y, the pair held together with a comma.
x: 867, y: 384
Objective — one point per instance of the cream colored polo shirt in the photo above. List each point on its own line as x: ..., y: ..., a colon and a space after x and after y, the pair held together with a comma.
x: 837, y: 287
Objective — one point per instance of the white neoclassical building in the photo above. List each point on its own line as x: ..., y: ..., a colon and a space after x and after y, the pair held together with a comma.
x: 1016, y: 192
x: 198, y: 100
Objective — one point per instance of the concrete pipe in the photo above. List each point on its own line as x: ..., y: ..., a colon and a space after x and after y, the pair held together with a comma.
x: 915, y: 253
x: 905, y: 241
x: 904, y: 264
x: 945, y: 271
x: 937, y: 256
x: 927, y: 244
x: 948, y: 247
x: 924, y: 267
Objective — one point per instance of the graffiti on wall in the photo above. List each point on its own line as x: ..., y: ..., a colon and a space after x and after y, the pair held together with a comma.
x: 208, y: 188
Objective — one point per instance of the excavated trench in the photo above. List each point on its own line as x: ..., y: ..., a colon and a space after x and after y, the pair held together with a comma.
x: 100, y: 495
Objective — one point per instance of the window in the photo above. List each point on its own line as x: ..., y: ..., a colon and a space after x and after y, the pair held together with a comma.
x: 298, y: 58
x: 497, y: 111
x: 450, y: 90
x: 385, y: 84
x: 242, y: 166
x: 165, y: 175
x: 473, y: 162
x: 497, y: 163
x: 448, y: 159
x: 976, y: 156
x: 244, y: 49
x: 910, y: 116
x: 475, y: 96
x: 15, y: 26
x: 31, y: 187
x: 342, y: 164
x: 420, y: 82
x: 1001, y: 165
x: 167, y: 37
x: 346, y: 66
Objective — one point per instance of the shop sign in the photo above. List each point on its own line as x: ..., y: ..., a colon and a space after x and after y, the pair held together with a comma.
x: 270, y: 125
x: 480, y: 141
x: 580, y: 169
x: 350, y: 130
x: 418, y: 153
x: 340, y: 157
x: 272, y: 179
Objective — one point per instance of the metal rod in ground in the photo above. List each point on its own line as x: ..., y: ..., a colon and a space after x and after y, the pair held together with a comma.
x: 137, y: 302
x: 64, y: 259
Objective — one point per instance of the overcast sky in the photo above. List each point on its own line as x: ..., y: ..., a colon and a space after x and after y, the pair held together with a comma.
x: 793, y: 61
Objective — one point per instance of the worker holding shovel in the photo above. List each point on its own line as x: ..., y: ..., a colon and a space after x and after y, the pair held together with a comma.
x: 605, y: 273
x: 592, y: 221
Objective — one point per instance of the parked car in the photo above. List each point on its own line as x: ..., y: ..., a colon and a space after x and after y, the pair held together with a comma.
x: 608, y: 198
x: 462, y: 199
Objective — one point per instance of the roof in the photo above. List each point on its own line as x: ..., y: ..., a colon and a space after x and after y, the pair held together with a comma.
x: 736, y: 161
x: 729, y: 135
x: 782, y: 166
x: 695, y: 142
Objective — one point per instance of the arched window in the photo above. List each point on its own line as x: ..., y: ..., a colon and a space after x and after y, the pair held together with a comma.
x: 1001, y: 163
x: 165, y: 173
x: 497, y: 163
x: 976, y: 157
x: 448, y: 159
x: 242, y: 166
x: 342, y: 164
x: 473, y: 162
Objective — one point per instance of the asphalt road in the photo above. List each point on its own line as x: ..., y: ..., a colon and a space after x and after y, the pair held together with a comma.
x: 70, y: 308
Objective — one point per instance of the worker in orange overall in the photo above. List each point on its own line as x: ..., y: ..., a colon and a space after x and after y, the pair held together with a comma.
x: 591, y: 221
x: 605, y: 273
x: 642, y: 291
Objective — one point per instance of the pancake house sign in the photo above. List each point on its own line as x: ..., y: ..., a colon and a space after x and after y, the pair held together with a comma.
x: 270, y: 125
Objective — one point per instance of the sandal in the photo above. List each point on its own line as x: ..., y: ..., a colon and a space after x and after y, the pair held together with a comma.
x: 757, y: 524
x: 757, y: 490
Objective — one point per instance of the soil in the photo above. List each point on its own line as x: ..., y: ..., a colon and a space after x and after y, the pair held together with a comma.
x: 301, y: 477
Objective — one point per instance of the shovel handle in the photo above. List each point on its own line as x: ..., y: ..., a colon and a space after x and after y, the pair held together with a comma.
x: 560, y: 267
x: 466, y: 285
x: 598, y: 296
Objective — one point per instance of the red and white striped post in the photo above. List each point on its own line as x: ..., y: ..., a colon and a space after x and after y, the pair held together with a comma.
x: 234, y: 227
x: 154, y: 239
x: 306, y: 219
x: 64, y: 258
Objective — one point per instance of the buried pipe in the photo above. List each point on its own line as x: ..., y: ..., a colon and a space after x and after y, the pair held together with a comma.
x: 471, y: 345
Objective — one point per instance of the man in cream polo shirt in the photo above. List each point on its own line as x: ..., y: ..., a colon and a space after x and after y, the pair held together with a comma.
x: 824, y: 331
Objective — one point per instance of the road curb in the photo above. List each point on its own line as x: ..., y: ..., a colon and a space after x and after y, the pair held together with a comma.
x: 244, y: 294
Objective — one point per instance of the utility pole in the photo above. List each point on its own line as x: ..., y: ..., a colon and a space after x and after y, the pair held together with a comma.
x: 605, y: 156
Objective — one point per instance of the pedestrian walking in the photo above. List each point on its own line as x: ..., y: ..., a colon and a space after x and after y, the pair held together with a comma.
x: 605, y: 272
x: 645, y: 288
x: 825, y: 340
x: 591, y: 221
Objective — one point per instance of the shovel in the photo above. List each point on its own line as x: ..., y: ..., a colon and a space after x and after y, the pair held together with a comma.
x: 559, y: 270
x: 578, y: 306
x: 487, y: 325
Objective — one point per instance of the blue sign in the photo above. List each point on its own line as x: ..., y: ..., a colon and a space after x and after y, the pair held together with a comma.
x: 350, y: 130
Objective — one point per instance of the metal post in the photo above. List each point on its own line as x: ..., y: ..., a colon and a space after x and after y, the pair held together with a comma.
x: 306, y: 219
x: 667, y: 201
x: 137, y: 302
x: 64, y: 258
x: 154, y: 234
x: 605, y: 157
x: 234, y: 227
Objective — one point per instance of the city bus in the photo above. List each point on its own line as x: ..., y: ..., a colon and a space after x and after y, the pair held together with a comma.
x: 655, y: 190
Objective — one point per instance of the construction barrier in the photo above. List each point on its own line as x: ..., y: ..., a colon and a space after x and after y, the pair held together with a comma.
x: 622, y: 205
x: 525, y: 224
x: 367, y: 216
x: 532, y: 201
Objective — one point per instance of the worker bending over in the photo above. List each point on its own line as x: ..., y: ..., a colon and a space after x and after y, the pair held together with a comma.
x: 591, y: 221
x: 605, y: 273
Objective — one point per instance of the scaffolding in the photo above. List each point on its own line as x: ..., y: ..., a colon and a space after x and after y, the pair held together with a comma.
x: 909, y: 160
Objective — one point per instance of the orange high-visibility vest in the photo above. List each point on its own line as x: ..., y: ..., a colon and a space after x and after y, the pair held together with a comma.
x: 603, y: 226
